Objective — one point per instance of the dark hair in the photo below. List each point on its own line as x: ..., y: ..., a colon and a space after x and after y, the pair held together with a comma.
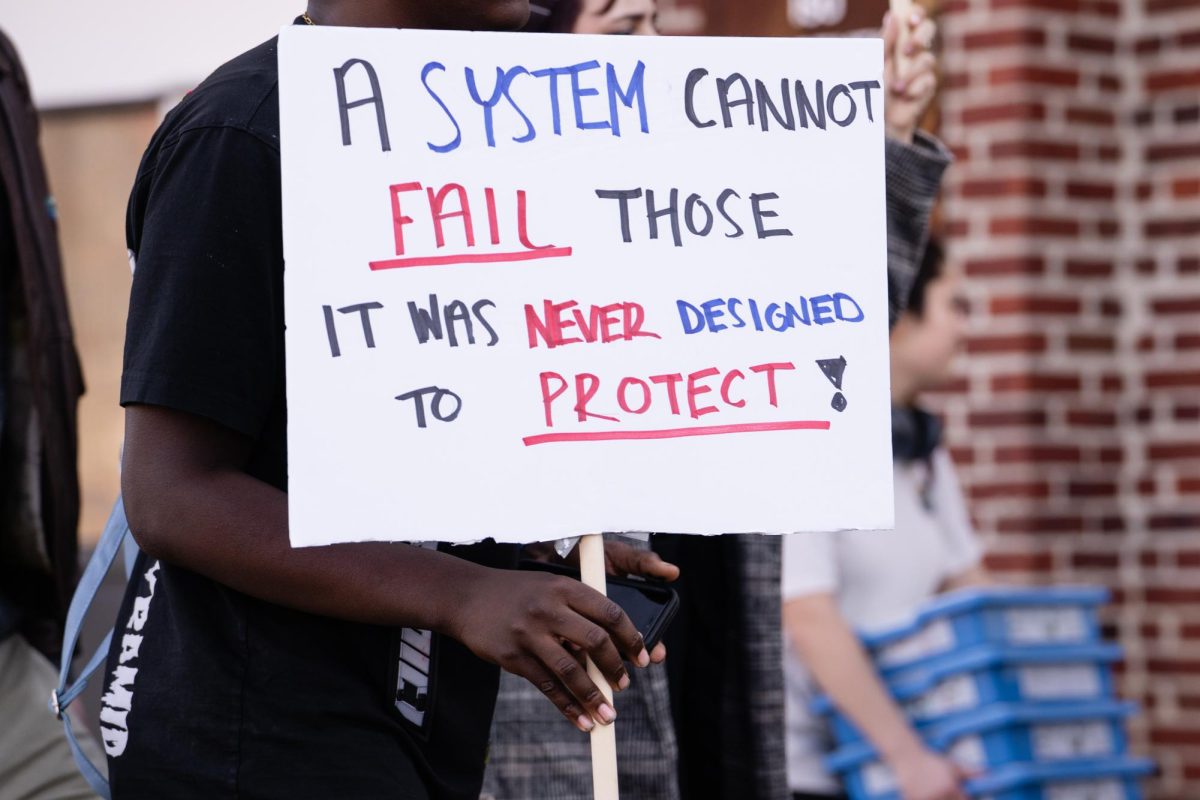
x: 556, y: 16
x: 929, y: 271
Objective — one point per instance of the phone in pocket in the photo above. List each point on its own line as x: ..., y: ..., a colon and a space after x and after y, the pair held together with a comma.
x: 650, y: 605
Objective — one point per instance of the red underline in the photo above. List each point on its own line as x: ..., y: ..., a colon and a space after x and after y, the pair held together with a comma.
x: 677, y: 433
x: 471, y: 258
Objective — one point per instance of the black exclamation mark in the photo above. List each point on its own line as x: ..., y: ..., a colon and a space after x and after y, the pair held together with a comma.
x: 834, y: 368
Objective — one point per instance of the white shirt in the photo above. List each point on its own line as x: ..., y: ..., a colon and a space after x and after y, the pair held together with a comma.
x: 879, y: 579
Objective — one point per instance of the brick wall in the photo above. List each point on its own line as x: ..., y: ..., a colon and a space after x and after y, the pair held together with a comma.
x: 1074, y: 210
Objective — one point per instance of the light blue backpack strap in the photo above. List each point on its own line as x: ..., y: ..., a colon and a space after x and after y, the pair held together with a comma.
x: 130, y: 550
x: 116, y: 531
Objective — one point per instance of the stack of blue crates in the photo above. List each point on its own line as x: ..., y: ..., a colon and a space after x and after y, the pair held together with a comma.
x: 1014, y: 684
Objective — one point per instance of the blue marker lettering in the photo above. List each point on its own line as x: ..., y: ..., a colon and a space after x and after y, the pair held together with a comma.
x: 776, y: 320
x: 635, y: 90
x: 732, y: 306
x: 754, y: 313
x: 530, y: 133
x: 838, y: 299
x: 487, y: 106
x: 713, y: 312
x: 578, y: 93
x: 457, y: 140
x: 802, y: 314
x: 822, y: 309
x: 690, y: 317
x: 555, y: 112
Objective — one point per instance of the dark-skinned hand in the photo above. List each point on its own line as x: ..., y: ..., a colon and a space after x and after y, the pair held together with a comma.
x: 540, y: 626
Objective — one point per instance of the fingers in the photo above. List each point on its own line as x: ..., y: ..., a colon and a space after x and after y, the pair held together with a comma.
x: 626, y: 560
x: 904, y: 43
x: 604, y: 612
x: 921, y: 38
x: 540, y: 551
x: 566, y: 670
x: 891, y: 33
x: 917, y: 73
x: 659, y: 654
x: 922, y: 87
x: 595, y: 641
x: 554, y: 690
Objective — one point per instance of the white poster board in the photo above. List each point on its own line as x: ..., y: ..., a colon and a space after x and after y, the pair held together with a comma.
x: 540, y: 286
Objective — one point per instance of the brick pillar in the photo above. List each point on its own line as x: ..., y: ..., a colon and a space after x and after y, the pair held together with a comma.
x: 1074, y: 211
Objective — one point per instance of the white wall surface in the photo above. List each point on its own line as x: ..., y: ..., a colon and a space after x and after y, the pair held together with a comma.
x: 82, y: 53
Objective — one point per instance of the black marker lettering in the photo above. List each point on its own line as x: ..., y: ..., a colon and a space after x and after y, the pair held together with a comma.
x: 364, y: 311
x: 689, y: 92
x: 331, y: 331
x: 672, y: 210
x: 375, y: 99
x: 624, y: 196
x: 725, y: 195
x: 760, y: 213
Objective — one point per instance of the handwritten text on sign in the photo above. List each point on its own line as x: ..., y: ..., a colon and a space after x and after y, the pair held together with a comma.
x: 540, y: 286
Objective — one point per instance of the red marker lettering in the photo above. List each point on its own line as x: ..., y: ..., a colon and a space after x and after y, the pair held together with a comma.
x: 694, y: 390
x: 399, y: 220
x: 437, y: 201
x: 549, y: 397
x: 725, y: 384
x: 770, y: 369
x: 671, y: 381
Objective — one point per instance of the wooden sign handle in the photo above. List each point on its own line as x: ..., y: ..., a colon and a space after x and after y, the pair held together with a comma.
x: 604, y: 737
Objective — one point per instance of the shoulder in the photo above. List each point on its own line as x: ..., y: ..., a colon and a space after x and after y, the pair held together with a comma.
x: 232, y: 118
x: 11, y: 70
x: 242, y: 95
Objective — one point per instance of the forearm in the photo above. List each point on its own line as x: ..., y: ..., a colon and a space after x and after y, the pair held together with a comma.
x: 974, y: 577
x: 914, y: 176
x: 838, y: 662
x: 233, y: 528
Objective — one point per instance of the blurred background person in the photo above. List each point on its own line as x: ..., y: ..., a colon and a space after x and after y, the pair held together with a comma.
x: 837, y: 583
x: 40, y: 383
x: 593, y: 16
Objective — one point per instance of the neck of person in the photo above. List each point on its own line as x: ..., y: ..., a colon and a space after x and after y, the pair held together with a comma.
x: 366, y: 14
x: 904, y: 390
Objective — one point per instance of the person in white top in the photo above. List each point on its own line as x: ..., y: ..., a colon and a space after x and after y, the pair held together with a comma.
x: 837, y: 583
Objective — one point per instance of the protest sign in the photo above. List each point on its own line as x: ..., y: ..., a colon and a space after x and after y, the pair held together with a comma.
x: 539, y: 286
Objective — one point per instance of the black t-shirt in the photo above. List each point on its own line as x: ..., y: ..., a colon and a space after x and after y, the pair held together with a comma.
x: 211, y: 693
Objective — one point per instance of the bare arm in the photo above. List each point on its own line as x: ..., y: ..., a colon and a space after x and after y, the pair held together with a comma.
x: 832, y: 652
x: 974, y: 577
x: 189, y: 503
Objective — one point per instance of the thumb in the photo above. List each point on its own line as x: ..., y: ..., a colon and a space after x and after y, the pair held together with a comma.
x: 623, y: 559
x: 891, y: 33
x: 649, y: 564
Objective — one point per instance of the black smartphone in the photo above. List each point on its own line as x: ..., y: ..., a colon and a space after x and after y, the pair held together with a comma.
x: 650, y: 605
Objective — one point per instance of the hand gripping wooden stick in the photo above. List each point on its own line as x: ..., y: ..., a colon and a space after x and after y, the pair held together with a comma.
x: 901, y: 10
x: 604, y: 737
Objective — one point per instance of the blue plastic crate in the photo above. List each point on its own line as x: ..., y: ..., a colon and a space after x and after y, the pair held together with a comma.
x: 997, y: 735
x: 1117, y: 779
x: 1087, y: 779
x: 992, y: 615
x: 963, y: 681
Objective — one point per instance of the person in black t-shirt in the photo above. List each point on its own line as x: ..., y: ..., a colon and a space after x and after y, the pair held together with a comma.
x: 241, y: 667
